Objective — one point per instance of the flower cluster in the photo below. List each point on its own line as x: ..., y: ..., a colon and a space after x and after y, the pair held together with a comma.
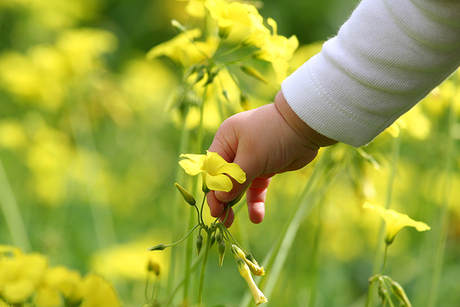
x: 216, y: 174
x: 235, y: 36
x: 27, y: 278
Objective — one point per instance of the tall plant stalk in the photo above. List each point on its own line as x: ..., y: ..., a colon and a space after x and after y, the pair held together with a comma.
x: 370, y: 298
x: 12, y: 213
x: 444, y: 215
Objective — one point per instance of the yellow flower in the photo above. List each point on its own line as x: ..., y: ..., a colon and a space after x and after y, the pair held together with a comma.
x: 21, y: 275
x: 228, y: 14
x: 259, y: 297
x: 395, y: 221
x: 181, y: 50
x: 278, y: 49
x: 214, y: 170
x: 98, y: 292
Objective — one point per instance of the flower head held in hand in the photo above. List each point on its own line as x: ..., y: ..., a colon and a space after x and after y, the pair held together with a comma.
x: 214, y: 169
x: 395, y: 221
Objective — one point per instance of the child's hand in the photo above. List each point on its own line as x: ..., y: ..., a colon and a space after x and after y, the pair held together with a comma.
x: 263, y: 142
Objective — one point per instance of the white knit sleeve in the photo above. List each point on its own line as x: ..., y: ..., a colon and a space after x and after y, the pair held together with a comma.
x: 386, y: 57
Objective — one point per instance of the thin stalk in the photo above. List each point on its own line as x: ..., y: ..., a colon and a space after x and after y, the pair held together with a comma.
x: 386, y: 293
x: 12, y: 212
x: 203, y: 268
x: 444, y: 217
x: 315, y: 259
x: 189, y: 247
x: 276, y: 258
x: 385, y: 259
x: 391, y: 178
x: 91, y: 167
x: 184, y: 141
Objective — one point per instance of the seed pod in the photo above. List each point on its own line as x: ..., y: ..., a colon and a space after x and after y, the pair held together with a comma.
x: 186, y: 195
x: 221, y: 252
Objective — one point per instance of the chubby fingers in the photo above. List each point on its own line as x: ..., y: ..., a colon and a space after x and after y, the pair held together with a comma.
x: 255, y: 198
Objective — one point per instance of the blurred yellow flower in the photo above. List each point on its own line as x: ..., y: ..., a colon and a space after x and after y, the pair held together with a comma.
x: 195, y: 8
x: 20, y: 275
x: 395, y: 221
x: 244, y: 270
x: 277, y: 50
x: 228, y: 14
x: 12, y: 134
x: 67, y: 282
x: 182, y: 50
x: 98, y: 292
x: 214, y: 170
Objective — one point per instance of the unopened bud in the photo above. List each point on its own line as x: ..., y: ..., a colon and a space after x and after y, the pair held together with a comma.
x: 244, y: 102
x: 186, y: 195
x: 225, y: 93
x: 251, y: 71
x: 158, y: 247
x: 199, y: 243
x: 213, y: 240
x: 224, y: 32
x: 180, y: 28
x: 221, y: 252
x: 399, y: 292
x: 154, y: 267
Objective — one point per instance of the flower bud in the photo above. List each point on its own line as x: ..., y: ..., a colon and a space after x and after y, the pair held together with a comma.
x: 225, y: 93
x: 399, y: 292
x: 213, y: 240
x: 224, y: 32
x: 153, y: 267
x: 177, y: 25
x: 186, y: 195
x: 221, y: 252
x: 244, y: 102
x: 199, y: 243
x: 249, y: 260
x: 251, y: 71
x: 158, y: 247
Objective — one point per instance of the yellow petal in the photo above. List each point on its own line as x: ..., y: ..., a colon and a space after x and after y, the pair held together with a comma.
x: 234, y: 171
x: 218, y: 183
x: 216, y: 165
x: 193, y: 164
x: 213, y: 163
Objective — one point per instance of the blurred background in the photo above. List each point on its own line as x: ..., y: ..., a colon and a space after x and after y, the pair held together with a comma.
x: 88, y: 161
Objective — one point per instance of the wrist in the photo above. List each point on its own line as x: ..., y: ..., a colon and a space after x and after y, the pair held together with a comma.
x: 311, y: 137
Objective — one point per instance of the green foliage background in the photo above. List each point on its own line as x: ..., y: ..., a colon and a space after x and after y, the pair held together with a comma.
x: 89, y: 158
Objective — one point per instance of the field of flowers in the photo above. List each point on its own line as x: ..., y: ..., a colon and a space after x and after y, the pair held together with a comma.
x: 98, y: 100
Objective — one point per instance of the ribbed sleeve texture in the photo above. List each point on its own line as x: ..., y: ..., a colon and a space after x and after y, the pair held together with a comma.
x: 385, y: 58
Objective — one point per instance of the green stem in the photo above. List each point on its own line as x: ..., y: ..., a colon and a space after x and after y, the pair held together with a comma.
x: 276, y: 258
x: 12, y: 213
x: 177, y: 212
x: 387, y: 292
x: 391, y: 179
x: 203, y: 269
x: 385, y: 259
x: 444, y: 217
